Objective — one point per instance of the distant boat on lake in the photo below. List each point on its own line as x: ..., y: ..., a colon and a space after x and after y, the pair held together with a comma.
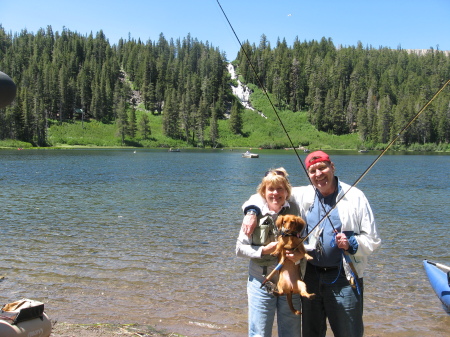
x: 174, y: 150
x: 248, y: 154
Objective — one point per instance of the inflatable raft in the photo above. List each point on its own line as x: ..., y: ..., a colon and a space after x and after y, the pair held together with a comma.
x: 439, y: 277
x: 24, y: 318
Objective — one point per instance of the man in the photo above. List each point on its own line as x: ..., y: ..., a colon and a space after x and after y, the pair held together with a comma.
x: 342, y: 234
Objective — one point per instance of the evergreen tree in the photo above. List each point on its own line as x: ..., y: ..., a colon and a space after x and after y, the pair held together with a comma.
x: 374, y: 91
x: 236, y: 117
x: 443, y: 120
x: 170, y: 115
x: 40, y: 122
x: 317, y: 111
x: 144, y: 126
x: 63, y: 94
x: 132, y: 123
x: 122, y: 120
x: 384, y: 119
x: 185, y: 116
x: 339, y: 121
x: 200, y: 122
x: 213, y: 125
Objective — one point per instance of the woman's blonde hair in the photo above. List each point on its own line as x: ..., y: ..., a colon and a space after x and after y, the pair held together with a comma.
x: 275, y: 177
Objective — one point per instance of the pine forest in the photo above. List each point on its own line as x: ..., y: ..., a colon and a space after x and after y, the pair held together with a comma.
x: 370, y: 93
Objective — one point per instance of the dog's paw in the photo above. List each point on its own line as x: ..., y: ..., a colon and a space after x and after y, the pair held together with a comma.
x: 308, y: 257
x: 308, y: 296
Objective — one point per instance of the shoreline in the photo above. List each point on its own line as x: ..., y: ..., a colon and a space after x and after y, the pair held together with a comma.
x: 237, y: 148
x: 107, y: 330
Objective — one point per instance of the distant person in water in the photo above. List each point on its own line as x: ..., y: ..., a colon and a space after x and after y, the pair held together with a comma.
x: 339, y: 244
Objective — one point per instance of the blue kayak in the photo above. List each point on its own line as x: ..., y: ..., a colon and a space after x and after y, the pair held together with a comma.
x: 439, y: 277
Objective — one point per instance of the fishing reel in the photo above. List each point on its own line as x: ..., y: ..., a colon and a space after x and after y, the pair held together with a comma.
x: 270, y: 287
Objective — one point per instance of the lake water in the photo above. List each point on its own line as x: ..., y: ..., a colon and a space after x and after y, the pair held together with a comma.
x: 148, y: 237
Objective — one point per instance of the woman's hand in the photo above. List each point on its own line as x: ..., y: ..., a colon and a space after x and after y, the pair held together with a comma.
x: 295, y: 255
x: 270, y: 248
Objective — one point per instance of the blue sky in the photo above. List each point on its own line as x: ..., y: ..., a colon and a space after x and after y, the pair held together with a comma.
x: 411, y: 24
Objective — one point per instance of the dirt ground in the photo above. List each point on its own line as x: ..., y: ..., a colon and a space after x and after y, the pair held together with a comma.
x: 107, y: 330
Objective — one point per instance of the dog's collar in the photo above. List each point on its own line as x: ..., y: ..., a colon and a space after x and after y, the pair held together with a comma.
x: 285, y: 232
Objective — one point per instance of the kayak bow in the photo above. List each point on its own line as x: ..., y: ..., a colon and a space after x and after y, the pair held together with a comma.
x: 439, y: 277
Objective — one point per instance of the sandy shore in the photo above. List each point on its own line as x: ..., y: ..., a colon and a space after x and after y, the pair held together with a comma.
x: 107, y: 330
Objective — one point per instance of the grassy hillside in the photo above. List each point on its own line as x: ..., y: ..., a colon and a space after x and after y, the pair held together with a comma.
x: 258, y: 132
x: 269, y: 133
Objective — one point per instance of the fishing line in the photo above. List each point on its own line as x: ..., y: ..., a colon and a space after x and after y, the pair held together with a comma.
x: 292, y: 145
x: 276, y: 112
x: 401, y: 131
x: 295, y: 150
x: 378, y: 158
x: 262, y: 86
x: 277, y: 115
x: 326, y: 216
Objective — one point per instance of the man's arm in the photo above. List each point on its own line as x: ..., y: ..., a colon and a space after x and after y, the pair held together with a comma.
x: 252, y: 208
x: 368, y: 238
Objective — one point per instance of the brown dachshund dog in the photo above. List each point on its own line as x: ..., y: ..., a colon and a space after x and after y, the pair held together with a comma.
x: 290, y: 228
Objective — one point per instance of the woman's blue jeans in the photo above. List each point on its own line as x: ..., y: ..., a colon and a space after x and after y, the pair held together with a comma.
x: 336, y: 300
x: 262, y: 307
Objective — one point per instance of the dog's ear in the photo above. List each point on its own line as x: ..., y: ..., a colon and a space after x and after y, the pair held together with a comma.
x: 280, y: 221
x: 299, y: 223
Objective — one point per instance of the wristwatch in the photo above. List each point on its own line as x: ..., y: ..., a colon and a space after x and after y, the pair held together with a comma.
x: 250, y: 212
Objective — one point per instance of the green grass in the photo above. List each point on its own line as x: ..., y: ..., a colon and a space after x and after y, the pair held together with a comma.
x: 258, y: 132
x: 88, y: 133
x: 283, y: 127
x: 11, y: 143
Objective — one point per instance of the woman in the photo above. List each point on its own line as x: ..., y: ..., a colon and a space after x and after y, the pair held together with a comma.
x: 275, y: 189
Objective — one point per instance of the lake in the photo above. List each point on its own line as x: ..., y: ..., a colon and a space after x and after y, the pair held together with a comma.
x: 148, y: 236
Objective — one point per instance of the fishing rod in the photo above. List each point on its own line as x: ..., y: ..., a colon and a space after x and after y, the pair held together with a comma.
x: 345, y: 254
x: 440, y: 266
x: 326, y: 216
x: 276, y: 114
x: 292, y: 144
x: 278, y: 267
x: 263, y: 88
x: 380, y: 155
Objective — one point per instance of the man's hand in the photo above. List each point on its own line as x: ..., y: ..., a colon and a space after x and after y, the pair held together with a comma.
x: 249, y: 224
x: 342, y: 241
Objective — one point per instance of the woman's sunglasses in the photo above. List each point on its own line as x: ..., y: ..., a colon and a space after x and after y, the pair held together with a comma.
x: 277, y: 172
